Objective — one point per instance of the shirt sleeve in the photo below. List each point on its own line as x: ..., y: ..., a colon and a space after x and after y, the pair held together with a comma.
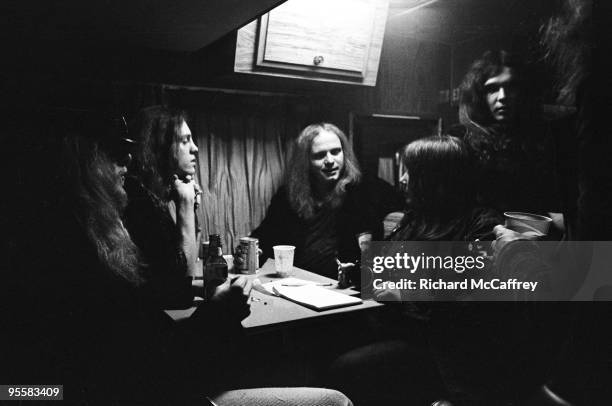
x: 273, y: 225
x: 361, y: 214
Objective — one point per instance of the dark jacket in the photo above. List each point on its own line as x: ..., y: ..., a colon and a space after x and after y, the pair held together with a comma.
x: 477, y: 224
x: 515, y: 171
x: 330, y: 234
x: 485, y: 352
x: 158, y: 238
x: 76, y: 323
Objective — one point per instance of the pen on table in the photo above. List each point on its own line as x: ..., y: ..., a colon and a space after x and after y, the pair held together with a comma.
x: 304, y: 284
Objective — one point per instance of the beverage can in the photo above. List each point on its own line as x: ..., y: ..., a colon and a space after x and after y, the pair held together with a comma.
x: 249, y: 249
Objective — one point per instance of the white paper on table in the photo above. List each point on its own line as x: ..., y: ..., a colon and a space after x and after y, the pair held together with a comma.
x: 316, y: 297
x: 291, y: 281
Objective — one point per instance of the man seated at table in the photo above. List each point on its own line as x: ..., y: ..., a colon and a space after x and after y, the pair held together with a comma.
x: 77, y: 315
x: 321, y: 210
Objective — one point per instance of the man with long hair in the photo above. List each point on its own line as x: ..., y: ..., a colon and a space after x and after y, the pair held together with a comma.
x: 163, y: 202
x: 573, y: 49
x: 77, y: 317
x: 501, y: 124
x: 492, y: 92
x: 319, y: 210
x: 582, y: 372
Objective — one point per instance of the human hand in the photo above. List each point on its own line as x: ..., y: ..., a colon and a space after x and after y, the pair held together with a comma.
x: 184, y: 190
x: 198, y: 195
x: 504, y: 235
x: 343, y: 273
x: 387, y: 295
x: 233, y: 294
x: 364, y: 240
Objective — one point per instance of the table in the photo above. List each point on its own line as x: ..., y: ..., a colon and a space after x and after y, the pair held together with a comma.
x: 271, y: 312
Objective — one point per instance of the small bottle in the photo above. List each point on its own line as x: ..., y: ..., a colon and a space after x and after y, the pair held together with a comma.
x: 215, y: 267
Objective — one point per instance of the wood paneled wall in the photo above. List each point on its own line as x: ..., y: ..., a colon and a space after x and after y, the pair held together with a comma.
x: 411, y: 74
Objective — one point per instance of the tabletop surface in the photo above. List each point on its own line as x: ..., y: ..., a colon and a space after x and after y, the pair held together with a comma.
x: 271, y: 312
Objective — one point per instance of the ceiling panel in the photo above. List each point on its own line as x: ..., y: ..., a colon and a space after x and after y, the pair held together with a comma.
x: 177, y: 25
x: 457, y: 21
x: 188, y: 25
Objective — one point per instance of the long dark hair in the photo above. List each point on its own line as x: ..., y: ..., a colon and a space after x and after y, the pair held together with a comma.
x: 441, y: 185
x: 473, y: 109
x: 474, y: 112
x: 156, y: 130
x: 483, y: 135
x: 94, y: 195
x: 568, y: 39
x: 79, y: 197
x: 299, y: 187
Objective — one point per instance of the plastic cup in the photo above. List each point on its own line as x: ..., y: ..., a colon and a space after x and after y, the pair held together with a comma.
x: 283, y: 259
x: 527, y: 223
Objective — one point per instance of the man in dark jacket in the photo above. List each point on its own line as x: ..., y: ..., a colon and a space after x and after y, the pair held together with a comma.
x: 321, y: 210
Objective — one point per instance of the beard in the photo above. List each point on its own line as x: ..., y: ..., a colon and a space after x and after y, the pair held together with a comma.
x: 118, y: 193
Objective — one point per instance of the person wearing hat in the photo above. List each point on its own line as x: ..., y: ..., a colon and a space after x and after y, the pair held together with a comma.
x: 76, y: 313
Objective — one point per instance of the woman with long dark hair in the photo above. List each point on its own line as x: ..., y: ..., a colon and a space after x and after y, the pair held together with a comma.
x: 470, y: 353
x: 482, y: 363
x: 441, y: 207
x: 441, y: 184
